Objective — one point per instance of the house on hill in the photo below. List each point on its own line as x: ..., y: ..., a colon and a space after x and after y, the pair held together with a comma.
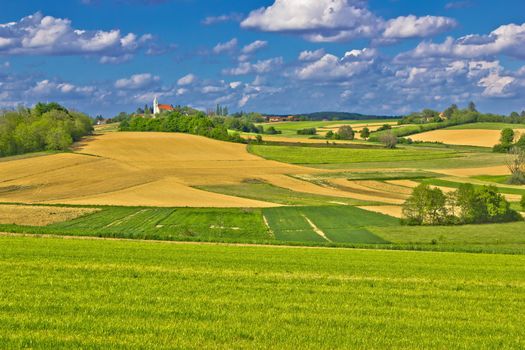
x: 275, y: 119
x: 159, y: 108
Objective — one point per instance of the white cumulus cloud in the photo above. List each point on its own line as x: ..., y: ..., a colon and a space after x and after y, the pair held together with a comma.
x: 136, y: 81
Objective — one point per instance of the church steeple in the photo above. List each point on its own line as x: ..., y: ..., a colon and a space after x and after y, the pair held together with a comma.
x: 156, y: 109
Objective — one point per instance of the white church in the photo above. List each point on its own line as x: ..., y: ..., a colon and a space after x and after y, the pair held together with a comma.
x: 159, y: 108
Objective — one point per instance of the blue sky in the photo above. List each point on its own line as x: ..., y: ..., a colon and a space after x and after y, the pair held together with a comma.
x: 273, y: 56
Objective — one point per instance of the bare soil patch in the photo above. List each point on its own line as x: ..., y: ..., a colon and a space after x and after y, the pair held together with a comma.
x: 39, y: 215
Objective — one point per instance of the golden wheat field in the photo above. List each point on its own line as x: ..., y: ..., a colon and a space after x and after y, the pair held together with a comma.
x: 471, y: 137
x: 154, y: 169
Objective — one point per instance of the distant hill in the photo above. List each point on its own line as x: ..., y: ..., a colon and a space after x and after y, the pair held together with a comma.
x: 341, y: 116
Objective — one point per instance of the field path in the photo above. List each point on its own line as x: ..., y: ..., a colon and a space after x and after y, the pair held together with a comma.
x: 316, y: 229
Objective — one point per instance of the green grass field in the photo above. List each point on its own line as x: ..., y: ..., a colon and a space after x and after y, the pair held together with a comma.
x: 338, y: 223
x: 323, y: 155
x: 161, y: 223
x: 343, y: 226
x: 60, y: 293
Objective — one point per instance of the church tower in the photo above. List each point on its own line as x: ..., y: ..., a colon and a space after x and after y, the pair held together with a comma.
x: 156, y: 109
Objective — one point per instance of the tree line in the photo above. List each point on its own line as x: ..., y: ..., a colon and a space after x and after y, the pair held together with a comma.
x: 428, y: 120
x: 46, y: 126
x: 196, y: 124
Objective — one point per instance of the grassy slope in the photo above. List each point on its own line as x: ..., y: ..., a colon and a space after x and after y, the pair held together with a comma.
x: 313, y: 155
x: 58, y: 293
x: 274, y: 194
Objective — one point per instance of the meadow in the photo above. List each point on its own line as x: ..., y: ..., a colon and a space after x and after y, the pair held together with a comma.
x: 323, y: 155
x: 68, y: 293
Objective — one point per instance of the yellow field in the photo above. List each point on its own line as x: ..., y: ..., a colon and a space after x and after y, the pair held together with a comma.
x: 137, y: 168
x: 163, y: 169
x: 39, y: 215
x: 470, y: 137
x: 392, y: 210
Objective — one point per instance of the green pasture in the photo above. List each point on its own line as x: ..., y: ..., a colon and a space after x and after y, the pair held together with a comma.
x: 460, y: 160
x: 89, y: 294
x: 324, y: 155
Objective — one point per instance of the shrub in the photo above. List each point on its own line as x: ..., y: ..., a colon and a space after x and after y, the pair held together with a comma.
x: 516, y: 166
x: 330, y: 134
x: 389, y: 140
x: 272, y: 131
x: 522, y: 202
x: 384, y: 127
x: 346, y: 132
x: 365, y: 133
x: 307, y: 131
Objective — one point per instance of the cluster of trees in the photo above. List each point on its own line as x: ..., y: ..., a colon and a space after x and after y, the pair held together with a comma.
x: 220, y: 111
x: 46, y: 126
x: 197, y: 124
x: 307, y: 131
x: 467, y: 205
x: 461, y: 116
x: 508, y: 140
x: 429, y: 120
x: 345, y: 132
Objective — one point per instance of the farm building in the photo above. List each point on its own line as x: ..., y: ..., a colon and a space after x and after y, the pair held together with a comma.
x: 274, y: 119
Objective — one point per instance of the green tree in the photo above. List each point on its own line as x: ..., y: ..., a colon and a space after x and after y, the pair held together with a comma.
x: 329, y: 134
x: 522, y: 202
x: 507, y: 136
x: 58, y: 139
x: 346, y: 132
x: 472, y: 107
x: 365, y: 133
x: 468, y: 206
x: 449, y: 112
x: 426, y: 206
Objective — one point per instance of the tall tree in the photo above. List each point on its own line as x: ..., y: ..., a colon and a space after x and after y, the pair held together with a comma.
x: 472, y: 107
